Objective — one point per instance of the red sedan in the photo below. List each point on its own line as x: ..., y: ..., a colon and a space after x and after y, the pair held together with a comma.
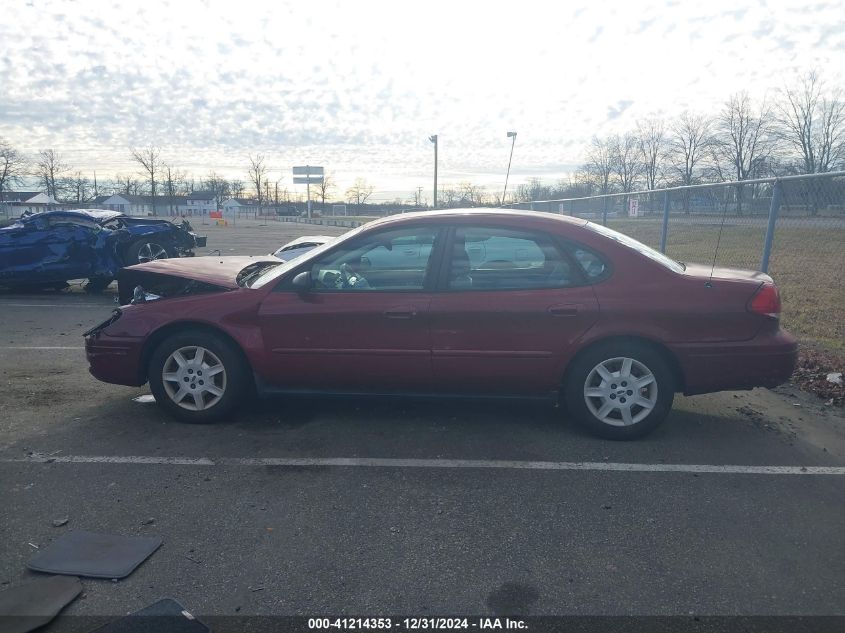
x: 460, y: 303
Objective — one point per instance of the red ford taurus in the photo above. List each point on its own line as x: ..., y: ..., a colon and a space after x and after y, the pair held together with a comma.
x: 461, y: 303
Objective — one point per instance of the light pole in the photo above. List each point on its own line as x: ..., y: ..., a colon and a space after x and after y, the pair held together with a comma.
x: 433, y: 139
x: 511, y: 135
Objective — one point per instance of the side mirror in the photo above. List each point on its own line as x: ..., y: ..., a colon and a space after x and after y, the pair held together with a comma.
x: 302, y: 281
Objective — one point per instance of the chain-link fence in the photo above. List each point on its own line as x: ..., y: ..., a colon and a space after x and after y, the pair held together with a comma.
x: 791, y: 227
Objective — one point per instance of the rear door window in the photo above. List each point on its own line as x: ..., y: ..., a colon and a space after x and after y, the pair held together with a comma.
x: 492, y: 258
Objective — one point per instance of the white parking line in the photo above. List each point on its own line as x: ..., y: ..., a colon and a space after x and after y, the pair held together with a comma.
x: 378, y: 462
x: 56, y: 305
x: 43, y: 347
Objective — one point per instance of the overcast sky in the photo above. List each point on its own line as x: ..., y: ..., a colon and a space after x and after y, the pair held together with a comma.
x: 358, y: 86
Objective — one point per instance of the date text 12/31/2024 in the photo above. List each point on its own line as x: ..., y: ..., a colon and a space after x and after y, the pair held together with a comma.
x: 415, y: 624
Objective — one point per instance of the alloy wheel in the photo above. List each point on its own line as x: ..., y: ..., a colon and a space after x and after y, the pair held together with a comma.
x: 194, y: 378
x: 620, y: 391
x: 151, y: 251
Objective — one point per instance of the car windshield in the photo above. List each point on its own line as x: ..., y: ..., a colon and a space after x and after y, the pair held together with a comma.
x: 641, y: 248
x: 274, y: 273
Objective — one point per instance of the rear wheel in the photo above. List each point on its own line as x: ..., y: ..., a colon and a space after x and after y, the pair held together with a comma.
x: 620, y: 391
x: 146, y: 250
x: 198, y: 376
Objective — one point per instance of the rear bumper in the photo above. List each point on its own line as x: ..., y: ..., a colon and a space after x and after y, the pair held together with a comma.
x: 765, y: 361
x: 114, y: 361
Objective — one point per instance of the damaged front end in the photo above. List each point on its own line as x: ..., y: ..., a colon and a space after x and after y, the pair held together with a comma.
x: 180, y: 237
x: 136, y: 286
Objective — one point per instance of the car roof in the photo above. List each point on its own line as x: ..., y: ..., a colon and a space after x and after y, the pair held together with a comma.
x: 97, y: 215
x: 528, y: 218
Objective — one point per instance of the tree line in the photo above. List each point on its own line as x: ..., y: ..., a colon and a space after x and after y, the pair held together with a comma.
x: 802, y: 131
x: 158, y: 178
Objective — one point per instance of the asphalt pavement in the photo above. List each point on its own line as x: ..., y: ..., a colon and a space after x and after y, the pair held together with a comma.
x: 315, y: 506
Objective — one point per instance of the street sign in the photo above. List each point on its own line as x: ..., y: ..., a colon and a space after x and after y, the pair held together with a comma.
x: 633, y: 207
x: 308, y: 170
x: 308, y: 175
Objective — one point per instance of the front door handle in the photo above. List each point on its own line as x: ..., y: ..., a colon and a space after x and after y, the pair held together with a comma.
x: 400, y: 313
x: 563, y: 311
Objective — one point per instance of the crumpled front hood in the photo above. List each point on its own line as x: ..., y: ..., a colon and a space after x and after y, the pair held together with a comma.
x: 221, y: 271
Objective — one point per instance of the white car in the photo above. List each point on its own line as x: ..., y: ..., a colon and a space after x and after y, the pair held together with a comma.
x: 300, y: 246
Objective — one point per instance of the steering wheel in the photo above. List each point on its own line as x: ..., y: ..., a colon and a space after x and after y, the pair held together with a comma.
x: 351, y: 279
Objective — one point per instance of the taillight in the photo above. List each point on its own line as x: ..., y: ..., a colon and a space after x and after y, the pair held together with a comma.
x: 766, y: 301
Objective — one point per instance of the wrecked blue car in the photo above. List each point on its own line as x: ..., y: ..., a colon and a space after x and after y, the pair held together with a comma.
x: 45, y: 250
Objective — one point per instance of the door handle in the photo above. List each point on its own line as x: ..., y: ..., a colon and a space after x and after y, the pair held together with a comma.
x: 563, y: 311
x: 406, y: 313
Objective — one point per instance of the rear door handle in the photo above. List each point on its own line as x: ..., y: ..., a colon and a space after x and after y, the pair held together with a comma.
x: 400, y: 313
x: 563, y: 311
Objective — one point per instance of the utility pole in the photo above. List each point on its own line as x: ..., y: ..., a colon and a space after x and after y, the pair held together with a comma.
x: 433, y: 139
x: 511, y: 135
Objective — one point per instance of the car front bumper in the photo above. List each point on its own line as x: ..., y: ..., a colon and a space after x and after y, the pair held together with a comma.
x: 115, y: 361
x: 767, y: 360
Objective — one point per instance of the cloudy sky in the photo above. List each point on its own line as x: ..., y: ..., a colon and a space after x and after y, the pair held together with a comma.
x: 358, y: 86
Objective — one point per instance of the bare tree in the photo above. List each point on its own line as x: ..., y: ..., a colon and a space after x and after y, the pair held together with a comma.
x: 237, y: 188
x: 448, y: 196
x: 149, y: 158
x: 50, y: 170
x: 359, y: 192
x: 651, y: 140
x: 126, y: 185
x: 470, y: 194
x: 12, y: 166
x: 175, y: 182
x: 689, y: 143
x: 79, y: 188
x: 744, y: 140
x: 599, y: 166
x: 534, y: 189
x: 324, y: 190
x: 257, y: 172
x: 219, y: 186
x: 625, y: 160
x: 813, y: 123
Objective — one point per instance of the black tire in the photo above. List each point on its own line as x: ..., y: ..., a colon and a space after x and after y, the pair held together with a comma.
x: 132, y: 254
x: 237, y: 375
x: 614, y: 429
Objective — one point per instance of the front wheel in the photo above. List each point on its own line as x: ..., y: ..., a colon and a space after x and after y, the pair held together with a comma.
x: 620, y: 391
x: 198, y: 377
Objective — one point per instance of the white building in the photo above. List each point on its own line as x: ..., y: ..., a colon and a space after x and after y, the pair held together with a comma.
x: 147, y: 205
x: 201, y: 202
x: 238, y: 207
x: 15, y: 203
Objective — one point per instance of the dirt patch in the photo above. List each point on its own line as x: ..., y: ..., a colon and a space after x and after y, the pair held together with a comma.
x: 811, y: 374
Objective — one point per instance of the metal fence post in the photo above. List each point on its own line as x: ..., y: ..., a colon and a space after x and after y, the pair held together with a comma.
x: 774, y: 208
x: 664, y: 232
x: 604, y: 212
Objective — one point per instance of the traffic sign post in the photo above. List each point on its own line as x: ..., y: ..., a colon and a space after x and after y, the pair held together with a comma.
x: 306, y: 175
